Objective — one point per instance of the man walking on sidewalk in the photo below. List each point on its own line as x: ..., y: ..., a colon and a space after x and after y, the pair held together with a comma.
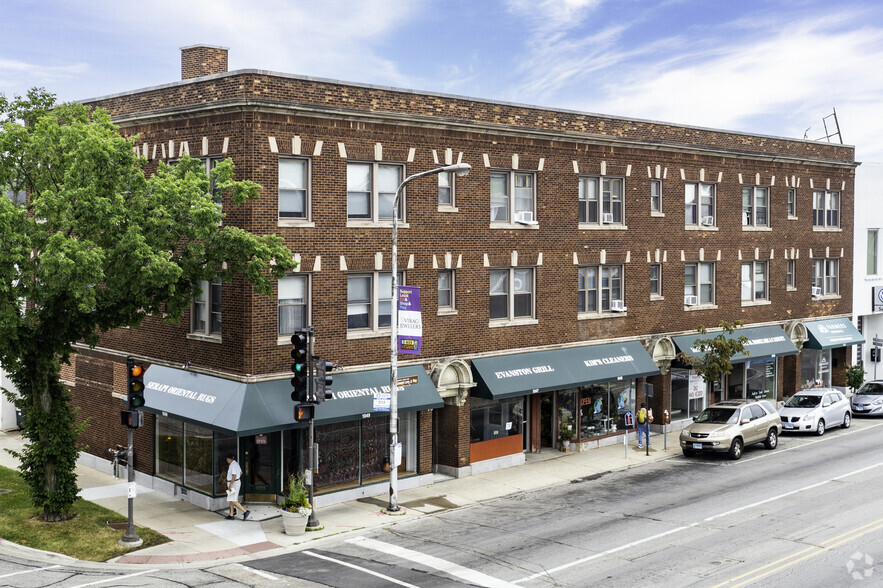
x: 643, y: 426
x: 234, y: 474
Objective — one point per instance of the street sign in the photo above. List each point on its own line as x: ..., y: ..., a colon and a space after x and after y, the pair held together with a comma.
x: 878, y: 342
x: 382, y: 401
x: 407, y: 381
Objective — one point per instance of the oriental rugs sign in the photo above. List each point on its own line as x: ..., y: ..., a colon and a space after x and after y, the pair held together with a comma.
x: 182, y: 392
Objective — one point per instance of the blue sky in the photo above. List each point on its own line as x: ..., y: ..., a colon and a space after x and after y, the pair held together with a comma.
x: 771, y: 67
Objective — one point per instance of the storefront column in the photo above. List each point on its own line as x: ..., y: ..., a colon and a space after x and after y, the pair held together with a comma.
x: 661, y: 400
x: 424, y: 440
x: 790, y: 375
x: 450, y: 436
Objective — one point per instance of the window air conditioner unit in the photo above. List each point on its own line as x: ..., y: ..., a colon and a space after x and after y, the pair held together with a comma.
x: 525, y: 217
x: 607, y: 218
x: 708, y: 221
x: 617, y: 306
x: 816, y: 291
x: 691, y: 300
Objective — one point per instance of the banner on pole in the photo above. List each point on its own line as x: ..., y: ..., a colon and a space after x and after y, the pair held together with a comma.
x: 410, y: 321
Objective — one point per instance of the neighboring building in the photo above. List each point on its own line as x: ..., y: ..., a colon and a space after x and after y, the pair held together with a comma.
x: 558, y: 280
x: 867, y: 300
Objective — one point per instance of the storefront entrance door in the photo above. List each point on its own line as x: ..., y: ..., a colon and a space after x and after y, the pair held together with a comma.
x: 547, y: 420
x: 260, y: 463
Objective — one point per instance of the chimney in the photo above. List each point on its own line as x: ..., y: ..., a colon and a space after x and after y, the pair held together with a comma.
x: 202, y: 60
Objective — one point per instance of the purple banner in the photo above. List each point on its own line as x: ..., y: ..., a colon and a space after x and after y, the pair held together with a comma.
x: 410, y: 321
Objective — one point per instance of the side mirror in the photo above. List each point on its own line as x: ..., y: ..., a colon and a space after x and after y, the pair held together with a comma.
x: 694, y: 419
x: 746, y: 421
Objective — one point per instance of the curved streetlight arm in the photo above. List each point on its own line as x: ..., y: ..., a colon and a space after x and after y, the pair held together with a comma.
x: 461, y: 169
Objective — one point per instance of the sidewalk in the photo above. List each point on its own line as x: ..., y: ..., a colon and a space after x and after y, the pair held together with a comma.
x: 200, y: 538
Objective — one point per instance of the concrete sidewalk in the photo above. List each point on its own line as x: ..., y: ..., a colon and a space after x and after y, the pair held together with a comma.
x: 200, y: 538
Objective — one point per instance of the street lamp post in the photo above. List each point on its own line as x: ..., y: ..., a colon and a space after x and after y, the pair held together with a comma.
x: 461, y: 169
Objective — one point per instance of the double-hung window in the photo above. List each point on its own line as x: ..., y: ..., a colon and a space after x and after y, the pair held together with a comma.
x: 293, y: 304
x: 790, y: 282
x: 294, y: 182
x: 754, y: 281
x: 446, y: 290
x: 18, y: 198
x: 826, y: 276
x: 210, y: 163
x: 511, y: 293
x: 825, y: 209
x: 205, y: 313
x: 369, y: 301
x: 371, y: 189
x: 755, y: 206
x: 446, y: 189
x: 598, y: 287
x: 792, y: 202
x: 600, y: 200
x: 699, y: 204
x: 656, y: 196
x: 873, y: 248
x: 513, y: 196
x: 699, y: 283
x: 655, y: 280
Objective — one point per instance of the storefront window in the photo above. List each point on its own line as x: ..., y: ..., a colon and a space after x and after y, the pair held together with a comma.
x: 375, y: 449
x: 566, y: 411
x: 602, y: 408
x: 494, y: 419
x: 688, y: 391
x: 339, y: 455
x: 170, y: 449
x: 224, y: 445
x: 760, y: 379
x: 198, y: 457
x: 815, y: 368
x: 736, y: 382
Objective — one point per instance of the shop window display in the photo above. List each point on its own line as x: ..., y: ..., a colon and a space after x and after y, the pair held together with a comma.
x: 170, y: 449
x: 198, y: 465
x: 815, y: 368
x: 688, y: 391
x: 760, y: 379
x: 493, y: 419
x: 602, y: 408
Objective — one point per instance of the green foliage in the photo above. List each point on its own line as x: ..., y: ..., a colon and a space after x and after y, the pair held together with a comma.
x: 710, y: 356
x: 855, y: 377
x: 98, y: 246
x: 565, y: 434
x: 297, y: 499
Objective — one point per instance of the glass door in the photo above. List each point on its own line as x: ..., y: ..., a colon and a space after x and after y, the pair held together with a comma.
x: 260, y: 463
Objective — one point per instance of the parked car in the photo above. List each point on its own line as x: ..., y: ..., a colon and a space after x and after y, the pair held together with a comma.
x: 728, y: 426
x: 816, y: 409
x: 869, y: 398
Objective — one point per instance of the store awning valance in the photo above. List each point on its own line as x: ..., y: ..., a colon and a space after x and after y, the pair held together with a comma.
x: 769, y: 341
x: 541, y: 371
x: 831, y: 333
x: 237, y: 408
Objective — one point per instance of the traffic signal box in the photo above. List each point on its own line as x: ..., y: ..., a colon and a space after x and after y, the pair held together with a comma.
x: 300, y: 367
x: 304, y: 412
x: 133, y: 417
x: 324, y: 379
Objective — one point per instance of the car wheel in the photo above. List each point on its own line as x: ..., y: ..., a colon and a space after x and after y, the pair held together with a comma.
x: 772, y: 439
x: 820, y: 428
x: 689, y: 452
x: 847, y: 420
x: 736, y: 449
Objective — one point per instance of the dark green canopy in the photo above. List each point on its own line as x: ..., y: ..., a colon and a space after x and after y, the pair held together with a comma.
x: 830, y: 333
x: 769, y: 341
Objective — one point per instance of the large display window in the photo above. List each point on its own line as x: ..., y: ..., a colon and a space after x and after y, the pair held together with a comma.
x: 815, y: 368
x: 495, y: 419
x: 191, y: 455
x: 602, y: 408
x: 688, y: 393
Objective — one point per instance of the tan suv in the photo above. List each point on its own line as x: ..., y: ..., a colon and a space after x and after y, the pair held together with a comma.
x: 730, y: 425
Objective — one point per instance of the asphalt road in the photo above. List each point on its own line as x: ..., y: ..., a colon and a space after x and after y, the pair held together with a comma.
x: 807, y: 513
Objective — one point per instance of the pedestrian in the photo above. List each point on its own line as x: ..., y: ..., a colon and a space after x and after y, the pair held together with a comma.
x: 234, y: 476
x: 643, y: 426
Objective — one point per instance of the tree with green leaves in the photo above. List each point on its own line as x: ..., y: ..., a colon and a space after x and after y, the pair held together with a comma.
x: 711, y: 357
x: 855, y: 377
x: 98, y: 245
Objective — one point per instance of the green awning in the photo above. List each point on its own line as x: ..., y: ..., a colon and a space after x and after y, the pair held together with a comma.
x: 831, y: 333
x: 237, y: 408
x: 770, y: 341
x: 541, y: 371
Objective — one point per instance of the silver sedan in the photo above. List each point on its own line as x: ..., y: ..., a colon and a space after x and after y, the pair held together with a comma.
x: 868, y: 399
x: 816, y: 410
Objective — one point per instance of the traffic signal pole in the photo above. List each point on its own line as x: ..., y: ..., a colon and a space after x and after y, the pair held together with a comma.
x: 135, y: 400
x: 312, y: 520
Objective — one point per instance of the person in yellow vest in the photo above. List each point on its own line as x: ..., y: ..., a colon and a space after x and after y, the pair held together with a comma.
x: 643, y: 426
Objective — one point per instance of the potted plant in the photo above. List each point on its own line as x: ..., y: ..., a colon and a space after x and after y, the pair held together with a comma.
x: 295, y: 507
x: 565, y: 434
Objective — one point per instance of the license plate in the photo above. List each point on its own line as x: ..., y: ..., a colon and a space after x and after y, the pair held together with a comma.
x: 859, y: 408
x: 697, y: 445
x: 788, y: 426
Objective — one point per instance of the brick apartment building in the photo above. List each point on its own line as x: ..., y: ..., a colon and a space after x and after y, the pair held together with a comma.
x: 558, y: 280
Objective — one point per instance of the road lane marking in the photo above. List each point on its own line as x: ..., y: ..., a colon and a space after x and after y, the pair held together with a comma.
x: 30, y: 571
x: 360, y: 568
x: 259, y: 573
x: 691, y: 525
x: 473, y: 576
x: 115, y: 578
x: 832, y: 437
x: 601, y: 554
x: 825, y: 546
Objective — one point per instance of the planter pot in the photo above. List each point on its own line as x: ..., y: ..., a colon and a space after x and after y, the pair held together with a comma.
x: 294, y: 522
x: 565, y: 444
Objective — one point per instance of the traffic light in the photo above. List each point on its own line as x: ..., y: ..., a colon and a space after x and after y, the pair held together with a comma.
x: 300, y: 367
x: 323, y: 379
x: 304, y: 412
x: 135, y: 395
